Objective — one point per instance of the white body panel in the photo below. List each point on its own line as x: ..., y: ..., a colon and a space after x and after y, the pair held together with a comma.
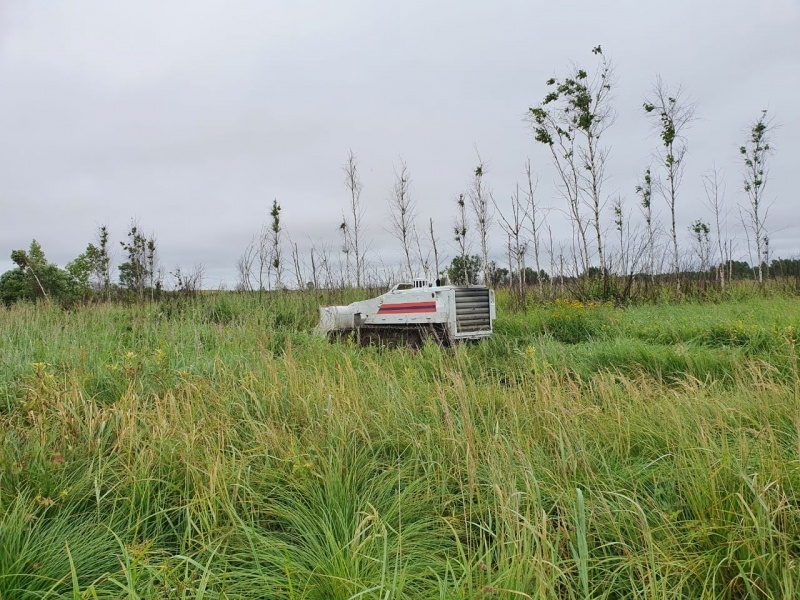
x: 460, y: 312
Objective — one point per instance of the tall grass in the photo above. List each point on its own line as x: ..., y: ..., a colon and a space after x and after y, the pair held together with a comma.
x: 217, y: 450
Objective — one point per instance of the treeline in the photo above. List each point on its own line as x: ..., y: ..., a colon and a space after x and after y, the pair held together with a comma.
x: 617, y: 252
x: 90, y: 276
x: 140, y: 277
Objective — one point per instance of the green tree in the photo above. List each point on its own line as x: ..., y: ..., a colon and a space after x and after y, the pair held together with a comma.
x: 460, y: 228
x: 700, y: 232
x: 739, y: 269
x: 276, y: 262
x: 80, y: 270
x: 14, y: 287
x: 480, y: 198
x: 533, y: 277
x: 31, y: 263
x: 782, y: 267
x: 36, y: 278
x: 465, y: 270
x: 139, y: 272
x: 644, y: 189
x: 672, y: 114
x: 571, y: 121
x: 101, y: 262
x: 497, y: 275
x: 755, y: 153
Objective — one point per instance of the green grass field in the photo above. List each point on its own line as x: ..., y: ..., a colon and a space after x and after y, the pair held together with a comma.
x: 216, y: 449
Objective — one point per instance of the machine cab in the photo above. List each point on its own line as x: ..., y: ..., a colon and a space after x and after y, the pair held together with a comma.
x: 419, y: 282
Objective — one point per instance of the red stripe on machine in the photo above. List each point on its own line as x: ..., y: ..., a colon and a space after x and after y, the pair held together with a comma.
x: 408, y: 307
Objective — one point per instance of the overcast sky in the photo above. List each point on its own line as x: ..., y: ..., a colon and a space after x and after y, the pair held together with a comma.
x: 193, y: 116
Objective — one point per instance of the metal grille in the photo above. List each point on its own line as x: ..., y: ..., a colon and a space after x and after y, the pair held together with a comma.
x: 472, y: 310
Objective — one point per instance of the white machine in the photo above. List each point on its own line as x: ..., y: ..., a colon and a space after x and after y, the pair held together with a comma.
x: 412, y: 312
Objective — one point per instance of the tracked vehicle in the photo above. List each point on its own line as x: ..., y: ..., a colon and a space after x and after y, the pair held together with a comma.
x: 412, y: 312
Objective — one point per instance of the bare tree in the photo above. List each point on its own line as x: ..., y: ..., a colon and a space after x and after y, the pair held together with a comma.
x: 297, y: 265
x: 355, y: 229
x: 314, y: 275
x: 190, y: 281
x: 325, y: 265
x: 730, y: 250
x: 552, y: 254
x: 619, y: 223
x: 244, y: 266
x: 755, y: 153
x: 645, y: 190
x: 714, y: 186
x: 403, y: 214
x: 536, y: 221
x: 101, y: 261
x: 633, y: 246
x: 672, y: 113
x: 435, y: 250
x: 556, y: 262
x: 153, y: 270
x: 263, y: 258
x: 460, y: 229
x: 511, y: 260
x: 513, y: 226
x: 700, y: 232
x: 347, y: 249
x: 480, y: 198
x: 424, y: 257
x: 321, y: 273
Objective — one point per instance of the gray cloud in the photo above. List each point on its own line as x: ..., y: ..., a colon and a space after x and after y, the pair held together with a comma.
x: 193, y: 116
